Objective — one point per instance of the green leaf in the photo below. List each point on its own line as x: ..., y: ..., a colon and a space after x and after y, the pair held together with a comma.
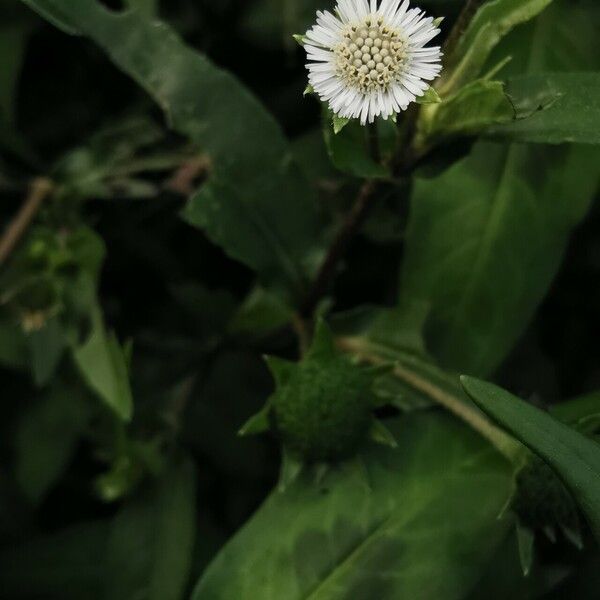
x: 256, y: 204
x: 472, y: 109
x: 47, y: 346
x: 259, y: 314
x: 422, y: 525
x: 152, y: 538
x: 102, y: 363
x: 349, y: 152
x: 581, y: 413
x: 55, y: 14
x: 14, y: 351
x: 429, y: 97
x: 339, y: 123
x: 381, y: 434
x: 14, y: 36
x: 485, y: 238
x: 46, y: 438
x: 573, y: 117
x: 147, y: 7
x: 490, y: 24
x: 484, y: 241
x: 574, y: 457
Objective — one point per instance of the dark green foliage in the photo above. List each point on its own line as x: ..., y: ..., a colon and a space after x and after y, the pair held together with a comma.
x: 173, y: 210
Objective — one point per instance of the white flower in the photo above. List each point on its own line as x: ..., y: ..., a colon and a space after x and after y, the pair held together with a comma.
x: 368, y: 60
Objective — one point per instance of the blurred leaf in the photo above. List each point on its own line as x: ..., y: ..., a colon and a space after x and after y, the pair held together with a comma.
x: 574, y: 457
x: 273, y: 23
x: 473, y: 108
x: 429, y: 97
x: 486, y: 237
x: 349, y: 150
x: 46, y: 438
x: 14, y: 35
x: 260, y: 313
x: 47, y: 346
x: 417, y: 522
x: 241, y: 208
x: 490, y: 24
x: 67, y: 565
x: 152, y: 538
x: 54, y: 14
x: 485, y: 240
x: 148, y: 7
x: 391, y: 330
x: 113, y: 159
x: 581, y: 413
x: 573, y: 117
x: 312, y: 155
x: 14, y: 352
x: 101, y: 361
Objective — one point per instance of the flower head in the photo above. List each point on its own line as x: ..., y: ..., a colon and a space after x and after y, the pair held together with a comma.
x: 370, y: 58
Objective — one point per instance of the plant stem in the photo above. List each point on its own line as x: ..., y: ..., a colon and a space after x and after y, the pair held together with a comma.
x: 39, y: 190
x: 505, y: 444
x: 355, y: 218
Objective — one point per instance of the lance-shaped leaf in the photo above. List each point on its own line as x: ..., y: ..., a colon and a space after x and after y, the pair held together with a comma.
x: 102, y: 362
x: 574, y: 457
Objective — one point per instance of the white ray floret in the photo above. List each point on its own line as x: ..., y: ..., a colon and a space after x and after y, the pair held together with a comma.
x: 370, y: 58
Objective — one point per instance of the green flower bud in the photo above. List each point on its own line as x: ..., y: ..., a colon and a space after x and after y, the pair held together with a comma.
x: 321, y: 409
x: 323, y: 413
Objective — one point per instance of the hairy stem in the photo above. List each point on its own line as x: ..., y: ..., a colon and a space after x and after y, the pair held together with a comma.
x: 39, y: 190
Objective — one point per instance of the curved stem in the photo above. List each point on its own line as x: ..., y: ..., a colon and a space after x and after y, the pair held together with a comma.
x: 468, y: 413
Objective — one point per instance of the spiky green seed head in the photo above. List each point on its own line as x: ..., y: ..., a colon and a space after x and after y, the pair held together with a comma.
x: 541, y: 499
x: 321, y: 409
